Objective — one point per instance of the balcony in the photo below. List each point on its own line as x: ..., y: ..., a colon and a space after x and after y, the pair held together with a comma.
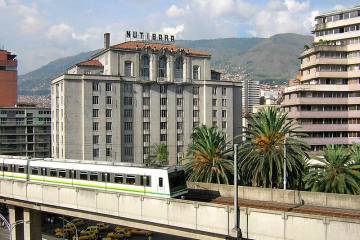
x: 314, y: 101
x: 329, y: 141
x: 324, y: 74
x: 330, y: 61
x: 324, y: 114
x: 162, y: 79
x: 328, y: 127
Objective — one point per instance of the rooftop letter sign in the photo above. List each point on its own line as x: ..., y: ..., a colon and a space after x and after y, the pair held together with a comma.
x: 145, y: 36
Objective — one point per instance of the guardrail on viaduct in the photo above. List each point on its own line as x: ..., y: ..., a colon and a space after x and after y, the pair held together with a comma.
x: 179, y: 217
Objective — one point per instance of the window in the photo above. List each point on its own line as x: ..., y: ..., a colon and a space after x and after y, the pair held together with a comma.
x: 145, y: 181
x: 214, y: 90
x: 179, y: 68
x: 163, y: 89
x: 95, y: 126
x: 223, y: 113
x: 163, y: 125
x: 223, y: 124
x: 146, y: 101
x: 179, y: 90
x: 108, y: 87
x: 196, y: 102
x: 127, y: 100
x: 146, y: 126
x: 96, y: 139
x: 128, y: 88
x: 163, y: 101
x: 223, y: 102
x: 144, y: 67
x: 108, y: 126
x: 108, y: 100
x: 214, y: 113
x: 162, y: 67
x: 128, y: 113
x: 53, y: 173
x: 118, y: 178
x: 108, y: 112
x: 196, y: 75
x: 179, y: 125
x: 163, y: 113
x: 214, y: 102
x: 179, y: 113
x: 179, y: 137
x: 105, y: 177
x: 160, y: 182
x: 95, y: 86
x: 196, y: 124
x: 83, y: 175
x: 196, y: 90
x: 34, y: 171
x: 21, y: 169
x: 128, y: 125
x: 128, y: 151
x: 130, y: 179
x: 95, y: 100
x: 94, y: 176
x: 95, y: 152
x: 95, y: 112
x: 128, y: 68
x: 214, y: 123
x: 62, y: 173
x: 108, y: 139
x: 146, y: 138
x: 146, y: 113
x: 146, y: 150
x: 223, y: 91
x: 163, y: 137
x: 128, y: 138
x: 196, y: 113
x: 108, y: 152
x: 179, y: 101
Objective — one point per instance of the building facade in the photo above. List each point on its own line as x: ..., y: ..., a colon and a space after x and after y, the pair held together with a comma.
x: 25, y: 131
x: 325, y: 99
x: 8, y: 79
x: 251, y: 95
x: 134, y: 95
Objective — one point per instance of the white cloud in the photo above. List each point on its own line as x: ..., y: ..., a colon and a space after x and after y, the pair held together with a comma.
x: 174, y: 30
x: 31, y: 25
x: 296, y: 6
x: 60, y: 32
x: 175, y: 11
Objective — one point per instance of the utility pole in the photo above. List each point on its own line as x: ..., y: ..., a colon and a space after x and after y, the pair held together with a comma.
x: 285, y: 172
x: 236, y: 198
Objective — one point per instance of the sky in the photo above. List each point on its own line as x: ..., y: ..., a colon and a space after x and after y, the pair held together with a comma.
x: 40, y: 31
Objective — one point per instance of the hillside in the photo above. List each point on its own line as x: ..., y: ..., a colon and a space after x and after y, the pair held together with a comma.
x: 273, y: 59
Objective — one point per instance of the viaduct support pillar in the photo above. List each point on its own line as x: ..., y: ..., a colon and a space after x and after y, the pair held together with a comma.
x: 16, y: 214
x: 32, y: 225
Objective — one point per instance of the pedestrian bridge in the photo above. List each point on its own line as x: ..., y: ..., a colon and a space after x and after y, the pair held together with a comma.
x: 191, y: 219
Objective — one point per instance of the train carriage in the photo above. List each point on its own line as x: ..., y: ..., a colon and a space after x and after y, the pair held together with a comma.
x: 119, y: 177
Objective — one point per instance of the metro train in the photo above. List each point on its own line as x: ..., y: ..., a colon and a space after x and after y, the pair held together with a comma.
x: 166, y: 182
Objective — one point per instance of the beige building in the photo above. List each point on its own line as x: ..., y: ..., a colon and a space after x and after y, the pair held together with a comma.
x: 326, y: 99
x: 135, y: 94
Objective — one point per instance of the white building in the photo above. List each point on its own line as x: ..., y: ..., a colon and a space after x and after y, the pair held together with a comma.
x: 135, y: 94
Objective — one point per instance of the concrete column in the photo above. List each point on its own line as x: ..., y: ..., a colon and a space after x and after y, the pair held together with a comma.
x: 170, y: 68
x: 16, y: 214
x: 153, y: 67
x: 32, y: 225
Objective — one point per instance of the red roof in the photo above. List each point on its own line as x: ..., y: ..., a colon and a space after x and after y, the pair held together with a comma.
x: 90, y: 63
x: 137, y: 45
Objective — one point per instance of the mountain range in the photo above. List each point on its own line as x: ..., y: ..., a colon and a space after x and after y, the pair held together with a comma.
x: 271, y: 60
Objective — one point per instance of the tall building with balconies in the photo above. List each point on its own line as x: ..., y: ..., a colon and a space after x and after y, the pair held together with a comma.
x: 326, y: 99
x: 8, y: 79
x: 133, y: 95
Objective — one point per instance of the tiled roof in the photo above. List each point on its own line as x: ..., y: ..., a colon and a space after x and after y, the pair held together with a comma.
x: 90, y: 63
x: 137, y: 45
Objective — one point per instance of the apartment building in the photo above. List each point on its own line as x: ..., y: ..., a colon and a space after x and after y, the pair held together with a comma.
x: 25, y: 131
x: 8, y: 79
x: 135, y: 94
x: 251, y: 95
x: 325, y: 99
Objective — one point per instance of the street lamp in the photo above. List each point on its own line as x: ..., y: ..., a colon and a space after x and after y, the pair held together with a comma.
x: 284, y: 170
x: 11, y: 226
x: 236, y: 197
x: 71, y: 223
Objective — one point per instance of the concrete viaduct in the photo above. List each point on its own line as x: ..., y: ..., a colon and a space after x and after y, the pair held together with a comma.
x: 265, y: 213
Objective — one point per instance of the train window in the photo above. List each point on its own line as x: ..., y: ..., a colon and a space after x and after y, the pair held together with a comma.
x: 177, y: 179
x: 53, y: 173
x: 83, y: 175
x: 71, y: 173
x: 34, y: 171
x: 105, y: 177
x: 130, y: 179
x: 6, y: 167
x: 44, y: 171
x: 118, y: 178
x: 161, y: 182
x: 21, y: 169
x: 93, y: 176
x: 62, y: 173
x: 145, y: 181
x: 13, y: 169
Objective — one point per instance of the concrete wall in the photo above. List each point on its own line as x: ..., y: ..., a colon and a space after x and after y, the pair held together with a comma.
x: 191, y: 219
x: 344, y: 201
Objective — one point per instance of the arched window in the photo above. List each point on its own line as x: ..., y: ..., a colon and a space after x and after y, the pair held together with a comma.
x: 128, y: 69
x: 179, y: 69
x: 162, y: 68
x: 196, y: 72
x: 145, y: 67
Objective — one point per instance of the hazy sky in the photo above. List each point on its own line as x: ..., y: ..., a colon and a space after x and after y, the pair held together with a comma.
x: 43, y: 30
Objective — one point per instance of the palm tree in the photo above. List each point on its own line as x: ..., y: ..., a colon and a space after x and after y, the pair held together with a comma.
x: 335, y: 173
x: 262, y: 152
x: 159, y: 155
x: 209, y: 157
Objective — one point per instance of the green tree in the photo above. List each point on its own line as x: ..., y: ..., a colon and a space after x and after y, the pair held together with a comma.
x: 335, y: 172
x: 159, y: 155
x: 262, y: 152
x: 209, y: 157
